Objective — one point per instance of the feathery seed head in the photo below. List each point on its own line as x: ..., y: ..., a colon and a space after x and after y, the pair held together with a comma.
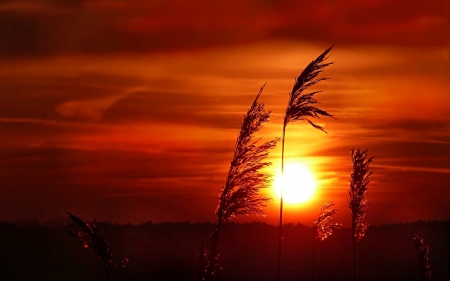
x: 91, y: 235
x: 325, y: 223
x: 239, y: 196
x: 359, y: 180
x: 301, y: 106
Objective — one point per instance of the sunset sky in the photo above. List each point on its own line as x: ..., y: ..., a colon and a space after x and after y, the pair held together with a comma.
x: 128, y: 111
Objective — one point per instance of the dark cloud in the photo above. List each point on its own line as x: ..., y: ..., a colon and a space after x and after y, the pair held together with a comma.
x: 51, y: 27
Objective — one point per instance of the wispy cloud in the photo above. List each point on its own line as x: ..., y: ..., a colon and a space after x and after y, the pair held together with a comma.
x: 91, y: 109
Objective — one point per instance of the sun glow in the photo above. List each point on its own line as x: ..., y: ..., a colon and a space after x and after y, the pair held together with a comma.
x: 298, y: 184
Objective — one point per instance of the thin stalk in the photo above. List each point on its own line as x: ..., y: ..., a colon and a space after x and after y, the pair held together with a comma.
x: 324, y: 226
x: 354, y: 248
x: 313, y: 256
x: 359, y: 180
x: 354, y: 259
x: 301, y: 106
x: 239, y: 195
x: 427, y: 271
x: 280, y: 228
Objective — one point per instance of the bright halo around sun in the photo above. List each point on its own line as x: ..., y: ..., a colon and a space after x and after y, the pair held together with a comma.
x: 298, y: 184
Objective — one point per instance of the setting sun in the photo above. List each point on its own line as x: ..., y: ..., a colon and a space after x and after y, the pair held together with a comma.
x: 298, y: 184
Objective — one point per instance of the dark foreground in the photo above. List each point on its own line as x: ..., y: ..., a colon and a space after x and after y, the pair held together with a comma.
x: 169, y: 251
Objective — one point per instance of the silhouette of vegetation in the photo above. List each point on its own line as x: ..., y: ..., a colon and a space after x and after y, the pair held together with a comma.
x: 169, y: 251
x: 92, y: 236
x: 301, y: 106
x: 358, y: 204
x: 426, y: 271
x: 324, y: 228
x: 245, y: 178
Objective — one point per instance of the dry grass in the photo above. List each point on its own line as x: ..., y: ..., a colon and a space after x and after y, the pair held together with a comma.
x: 302, y: 106
x: 422, y: 252
x: 91, y: 235
x: 357, y: 202
x: 325, y: 224
x: 240, y: 194
x: 324, y: 228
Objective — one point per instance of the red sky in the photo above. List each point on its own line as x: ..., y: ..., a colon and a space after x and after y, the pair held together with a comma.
x: 128, y: 110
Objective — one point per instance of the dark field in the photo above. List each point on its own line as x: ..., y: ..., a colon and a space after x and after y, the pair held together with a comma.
x: 169, y: 251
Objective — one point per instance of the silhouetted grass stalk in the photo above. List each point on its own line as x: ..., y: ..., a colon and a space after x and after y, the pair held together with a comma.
x: 92, y: 236
x: 239, y: 196
x: 358, y: 204
x: 324, y: 227
x: 301, y: 107
x: 426, y: 272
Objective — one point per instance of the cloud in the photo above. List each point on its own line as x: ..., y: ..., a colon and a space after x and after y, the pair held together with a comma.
x: 90, y: 109
x: 57, y: 27
x: 84, y: 96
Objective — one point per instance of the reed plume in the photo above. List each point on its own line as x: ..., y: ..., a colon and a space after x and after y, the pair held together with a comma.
x: 324, y: 227
x: 239, y: 196
x: 358, y: 204
x: 426, y: 271
x: 301, y: 106
x: 245, y: 178
x: 325, y: 223
x: 91, y: 235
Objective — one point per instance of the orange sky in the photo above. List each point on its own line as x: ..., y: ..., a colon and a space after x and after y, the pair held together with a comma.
x: 129, y: 111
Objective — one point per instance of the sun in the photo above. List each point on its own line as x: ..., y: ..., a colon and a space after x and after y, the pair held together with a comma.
x: 298, y: 184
